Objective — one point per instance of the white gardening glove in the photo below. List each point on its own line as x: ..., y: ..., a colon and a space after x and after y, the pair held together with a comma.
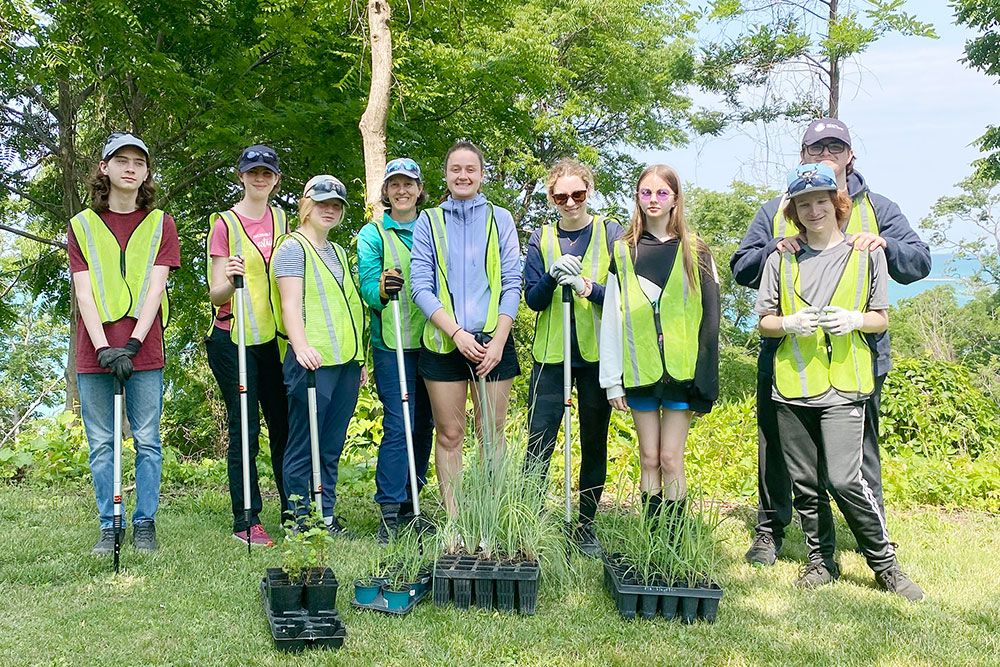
x: 578, y: 284
x: 802, y: 323
x: 567, y: 265
x: 840, y: 321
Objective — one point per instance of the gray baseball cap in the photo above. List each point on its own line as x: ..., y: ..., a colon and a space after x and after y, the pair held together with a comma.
x: 826, y: 128
x: 119, y: 140
x: 324, y: 187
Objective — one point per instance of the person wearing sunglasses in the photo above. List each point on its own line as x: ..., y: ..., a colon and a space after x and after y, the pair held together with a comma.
x: 384, y: 271
x: 874, y: 222
x: 466, y: 278
x: 823, y: 303
x: 319, y: 314
x: 574, y: 251
x: 659, y: 349
x: 241, y: 242
x: 121, y: 250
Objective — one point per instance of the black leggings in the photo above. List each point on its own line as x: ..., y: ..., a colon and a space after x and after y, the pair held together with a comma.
x: 545, y: 413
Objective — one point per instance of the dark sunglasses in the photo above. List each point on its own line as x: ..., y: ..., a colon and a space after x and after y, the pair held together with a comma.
x: 327, y: 186
x: 835, y: 147
x: 264, y: 156
x: 810, y: 179
x: 561, y: 198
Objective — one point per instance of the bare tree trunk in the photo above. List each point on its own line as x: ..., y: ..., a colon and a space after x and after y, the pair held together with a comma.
x: 373, y: 121
x: 834, y: 110
x: 66, y: 119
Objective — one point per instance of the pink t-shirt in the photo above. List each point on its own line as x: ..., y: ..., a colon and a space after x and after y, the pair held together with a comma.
x: 260, y: 231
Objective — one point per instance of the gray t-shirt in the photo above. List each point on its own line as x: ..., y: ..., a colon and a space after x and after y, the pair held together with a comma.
x: 819, y: 274
x: 290, y: 260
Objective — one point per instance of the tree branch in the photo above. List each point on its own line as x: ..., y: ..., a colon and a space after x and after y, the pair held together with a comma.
x: 33, y: 237
x: 50, y: 207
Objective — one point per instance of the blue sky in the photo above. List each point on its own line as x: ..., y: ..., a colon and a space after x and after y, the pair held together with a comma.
x: 913, y: 109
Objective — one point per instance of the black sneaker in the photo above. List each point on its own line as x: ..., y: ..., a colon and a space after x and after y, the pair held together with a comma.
x: 144, y: 536
x: 586, y: 540
x: 337, y: 529
x: 895, y: 581
x: 814, y: 575
x: 388, y: 524
x: 106, y: 544
x: 764, y: 550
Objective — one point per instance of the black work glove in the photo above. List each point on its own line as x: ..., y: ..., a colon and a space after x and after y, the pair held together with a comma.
x: 132, y: 347
x: 390, y: 283
x: 122, y: 368
x: 106, y: 356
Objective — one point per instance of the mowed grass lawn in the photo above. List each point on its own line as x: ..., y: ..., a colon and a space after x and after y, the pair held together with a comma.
x: 196, y: 601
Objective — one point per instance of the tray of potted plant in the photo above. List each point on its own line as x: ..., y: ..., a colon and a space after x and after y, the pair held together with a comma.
x: 401, y: 575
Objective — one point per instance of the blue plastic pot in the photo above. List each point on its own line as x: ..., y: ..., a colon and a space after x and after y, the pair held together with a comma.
x: 366, y: 590
x: 397, y: 600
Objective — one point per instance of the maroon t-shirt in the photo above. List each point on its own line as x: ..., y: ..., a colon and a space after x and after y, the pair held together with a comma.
x: 150, y: 357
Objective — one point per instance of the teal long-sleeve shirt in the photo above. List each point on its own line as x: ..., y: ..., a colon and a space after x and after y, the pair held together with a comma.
x: 370, y: 268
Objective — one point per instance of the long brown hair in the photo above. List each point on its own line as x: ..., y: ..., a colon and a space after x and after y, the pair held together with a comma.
x: 99, y: 189
x: 676, y: 224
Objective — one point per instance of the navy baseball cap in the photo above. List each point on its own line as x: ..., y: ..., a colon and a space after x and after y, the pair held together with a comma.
x: 119, y: 140
x: 258, y: 155
x: 809, y: 177
x: 826, y: 128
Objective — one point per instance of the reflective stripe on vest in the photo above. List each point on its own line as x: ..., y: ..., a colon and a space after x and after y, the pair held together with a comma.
x: 809, y: 366
x: 332, y: 313
x: 657, y: 349
x: 119, y: 279
x: 548, y: 346
x: 259, y: 325
x: 862, y: 218
x: 434, y: 339
x: 395, y: 255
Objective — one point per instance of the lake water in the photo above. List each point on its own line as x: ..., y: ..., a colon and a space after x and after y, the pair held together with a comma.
x: 945, y: 269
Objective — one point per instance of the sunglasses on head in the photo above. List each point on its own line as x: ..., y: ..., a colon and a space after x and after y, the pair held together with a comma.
x: 646, y: 195
x: 401, y: 164
x: 835, y: 147
x: 561, y: 198
x: 327, y: 186
x: 811, y: 179
x: 264, y: 156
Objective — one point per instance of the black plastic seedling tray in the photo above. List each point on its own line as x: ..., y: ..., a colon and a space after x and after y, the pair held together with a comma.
x: 298, y: 630
x: 488, y: 584
x: 669, y: 602
x: 421, y: 588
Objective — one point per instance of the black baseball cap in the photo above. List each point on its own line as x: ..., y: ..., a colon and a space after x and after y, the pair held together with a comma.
x: 258, y: 155
x: 826, y: 128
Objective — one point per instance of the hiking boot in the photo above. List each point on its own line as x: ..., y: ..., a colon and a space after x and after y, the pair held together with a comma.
x: 257, y: 536
x: 389, y: 523
x: 764, y: 550
x: 895, y: 581
x: 144, y: 536
x: 814, y: 575
x: 106, y: 544
x: 586, y: 540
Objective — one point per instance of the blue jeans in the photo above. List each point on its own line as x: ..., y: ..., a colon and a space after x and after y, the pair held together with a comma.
x: 336, y: 397
x: 392, y: 475
x: 143, y: 407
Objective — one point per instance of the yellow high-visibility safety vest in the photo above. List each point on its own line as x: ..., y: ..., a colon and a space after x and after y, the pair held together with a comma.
x: 395, y: 255
x: 119, y: 279
x: 548, y: 346
x: 808, y: 366
x: 862, y: 218
x: 658, y: 347
x: 434, y: 339
x: 333, y: 313
x: 258, y: 326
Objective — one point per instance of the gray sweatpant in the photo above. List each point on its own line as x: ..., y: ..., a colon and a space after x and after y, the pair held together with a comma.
x: 822, y: 446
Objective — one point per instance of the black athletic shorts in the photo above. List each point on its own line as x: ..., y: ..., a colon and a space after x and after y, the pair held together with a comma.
x: 454, y: 367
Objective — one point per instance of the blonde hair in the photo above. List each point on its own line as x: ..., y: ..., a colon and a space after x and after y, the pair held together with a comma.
x: 676, y: 224
x: 306, y: 206
x: 568, y: 167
